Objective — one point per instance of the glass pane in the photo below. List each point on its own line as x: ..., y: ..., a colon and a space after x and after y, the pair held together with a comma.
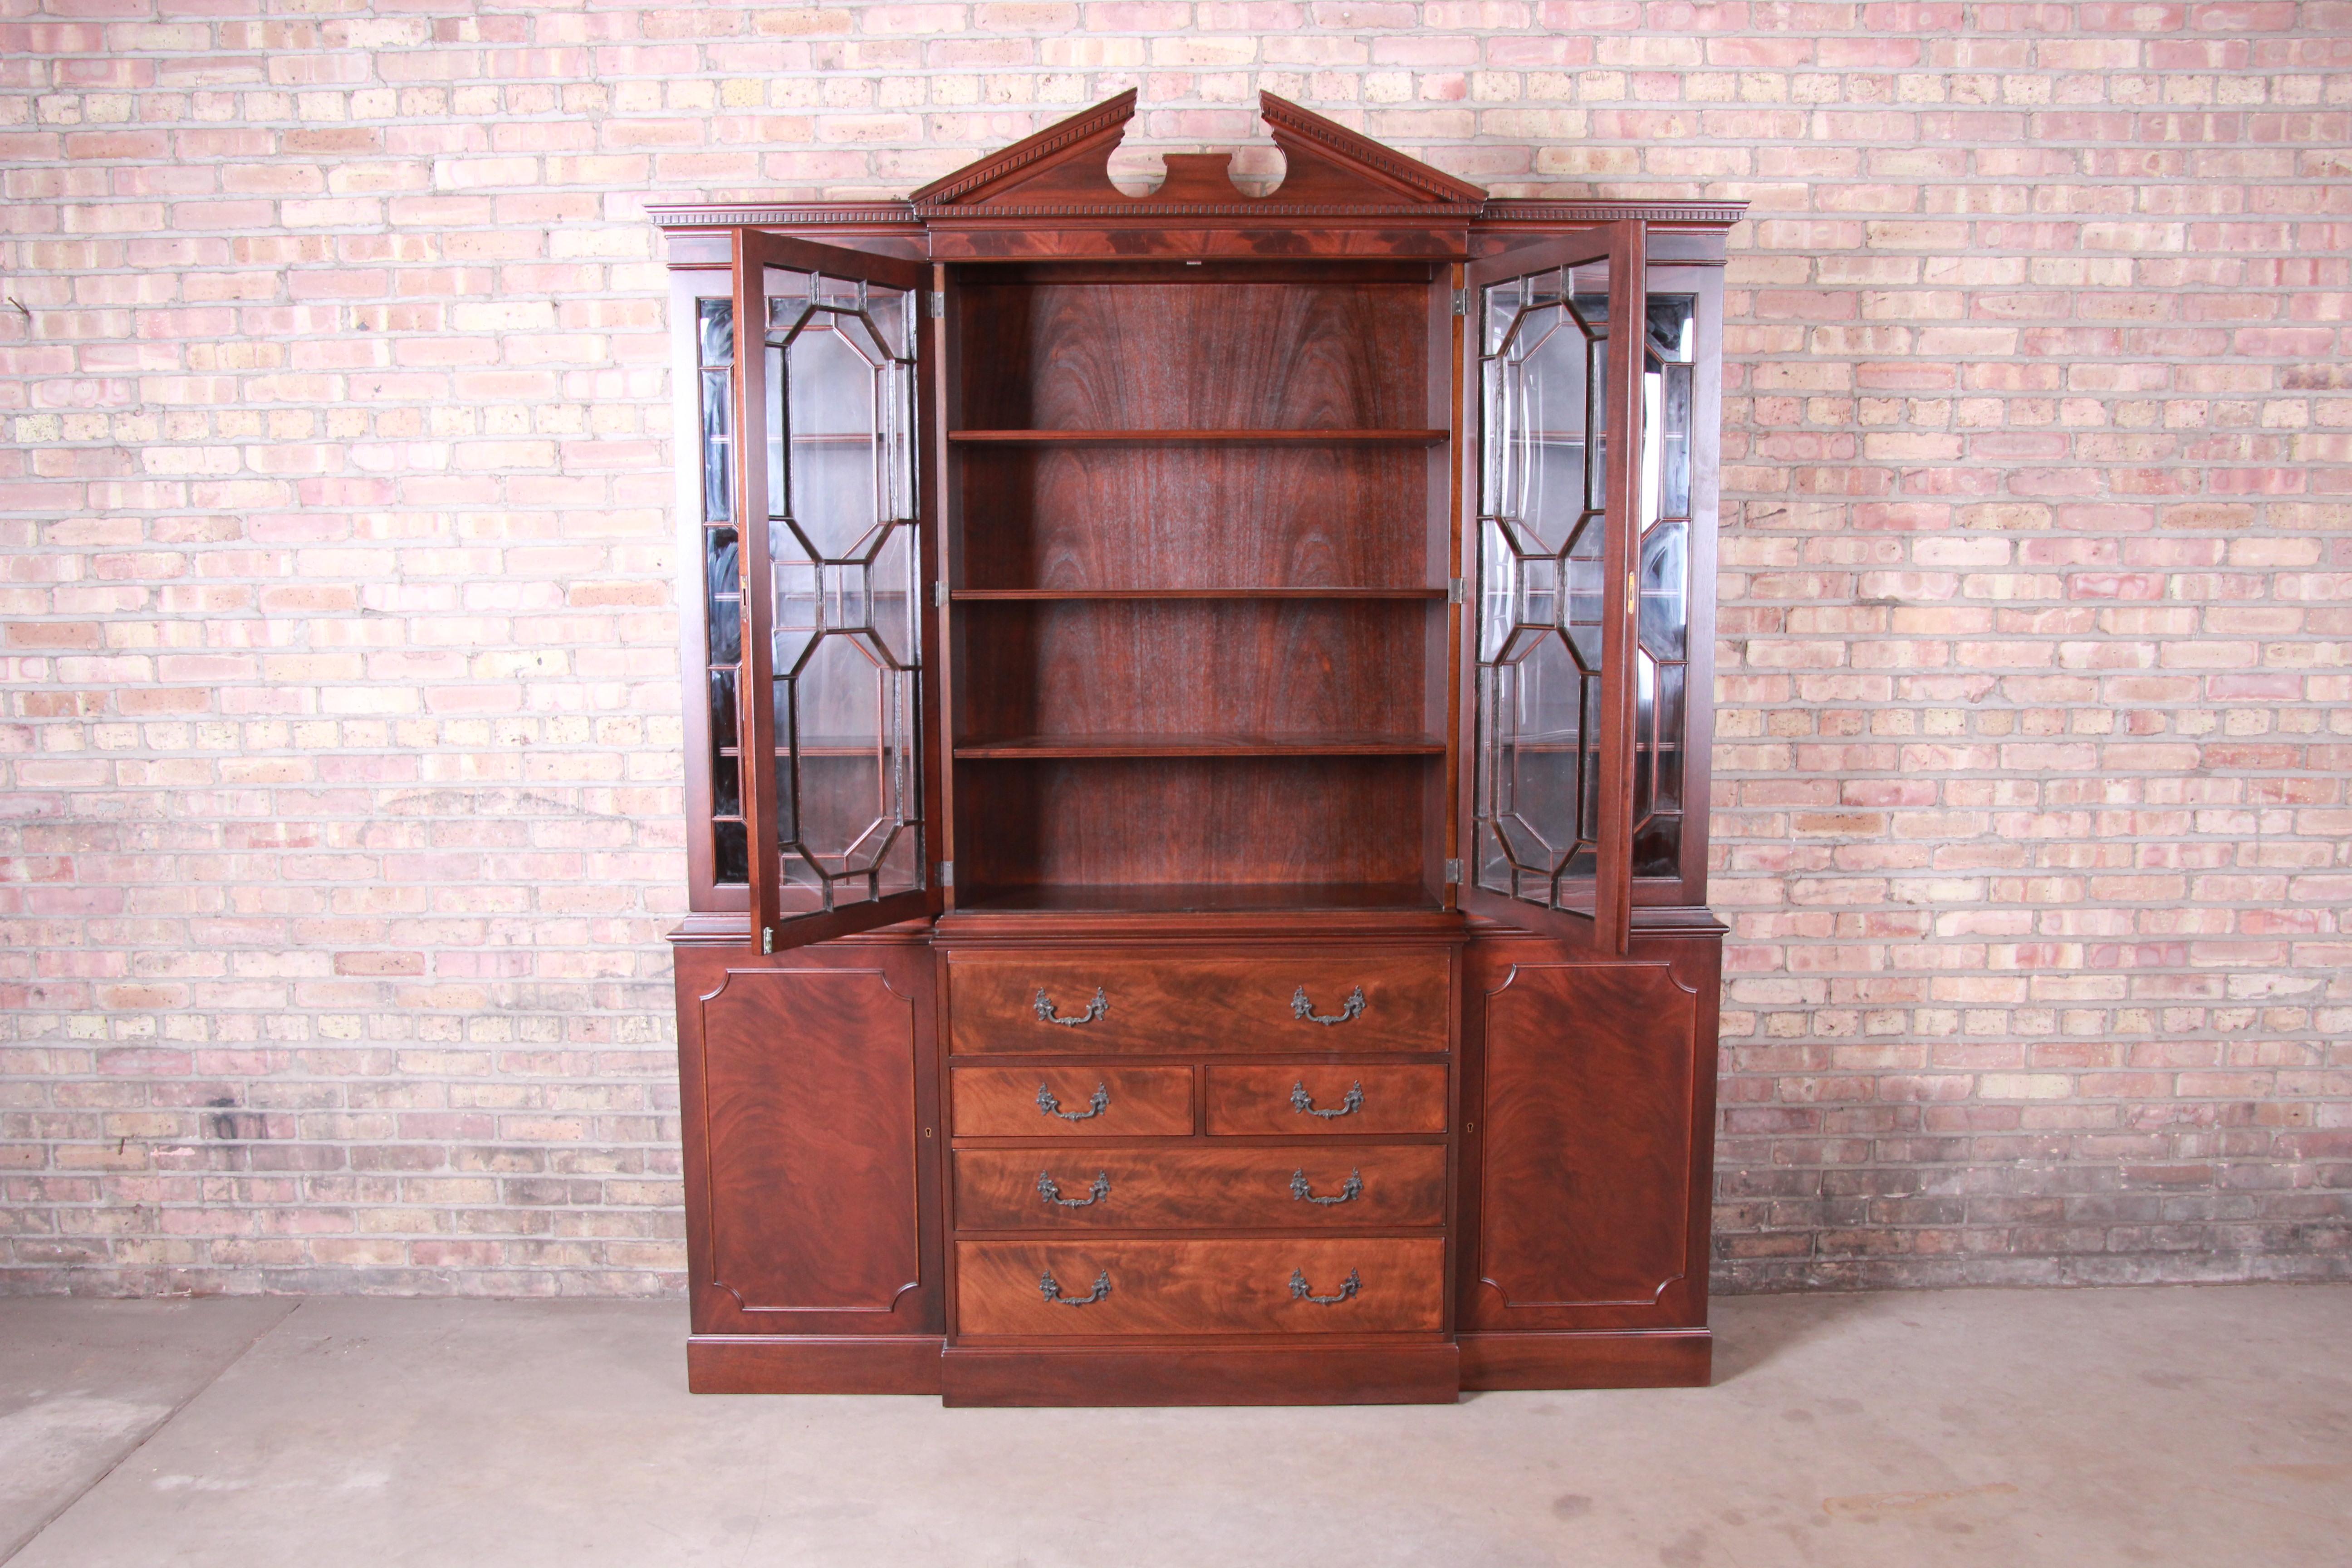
x: 845, y: 557
x: 1663, y: 623
x: 723, y: 596
x: 722, y: 586
x: 733, y: 862
x: 717, y: 447
x: 1543, y: 533
x: 714, y: 319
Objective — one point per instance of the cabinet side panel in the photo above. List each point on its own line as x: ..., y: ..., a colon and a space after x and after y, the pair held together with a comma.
x: 810, y: 1123
x: 1584, y: 1146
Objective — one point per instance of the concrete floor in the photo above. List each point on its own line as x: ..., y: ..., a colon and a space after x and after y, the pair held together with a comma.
x: 2198, y: 1426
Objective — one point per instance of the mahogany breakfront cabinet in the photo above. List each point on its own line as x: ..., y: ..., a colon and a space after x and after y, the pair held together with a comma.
x: 1197, y: 738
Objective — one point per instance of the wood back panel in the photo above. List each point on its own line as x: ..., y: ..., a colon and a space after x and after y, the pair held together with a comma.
x: 1002, y: 1102
x: 1196, y: 517
x: 1301, y: 668
x: 1339, y: 355
x: 1207, y: 1003
x: 1351, y: 820
x: 1396, y: 1099
x: 1196, y: 1188
x: 1202, y: 1286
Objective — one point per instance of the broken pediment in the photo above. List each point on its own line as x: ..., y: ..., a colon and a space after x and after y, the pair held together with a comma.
x: 1066, y: 168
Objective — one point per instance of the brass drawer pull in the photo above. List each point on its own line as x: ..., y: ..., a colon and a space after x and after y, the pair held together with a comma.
x: 1095, y: 1009
x: 1095, y: 1107
x: 1298, y: 1291
x: 1350, y: 1010
x: 1304, y: 1190
x: 1047, y: 1288
x: 1051, y: 1191
x: 1304, y: 1102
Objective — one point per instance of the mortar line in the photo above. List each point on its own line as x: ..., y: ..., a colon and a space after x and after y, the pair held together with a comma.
x: 170, y: 1415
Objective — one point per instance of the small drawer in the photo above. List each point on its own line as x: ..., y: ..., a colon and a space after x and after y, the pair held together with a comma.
x: 1309, y: 1285
x: 1071, y: 1102
x: 1310, y: 1100
x: 1106, y: 1002
x: 1199, y: 1189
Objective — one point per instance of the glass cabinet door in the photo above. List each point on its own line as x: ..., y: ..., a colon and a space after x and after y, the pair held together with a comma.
x: 1562, y: 414
x: 834, y: 607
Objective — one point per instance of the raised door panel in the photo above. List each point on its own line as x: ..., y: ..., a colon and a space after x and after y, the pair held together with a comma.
x: 1583, y: 1148
x: 810, y: 1124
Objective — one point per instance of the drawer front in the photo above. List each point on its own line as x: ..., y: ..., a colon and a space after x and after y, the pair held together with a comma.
x: 1047, y: 1001
x: 1071, y: 1102
x: 1199, y: 1189
x: 1326, y: 1099
x: 1307, y: 1285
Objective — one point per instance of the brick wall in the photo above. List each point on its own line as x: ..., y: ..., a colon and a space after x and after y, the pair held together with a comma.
x: 339, y: 818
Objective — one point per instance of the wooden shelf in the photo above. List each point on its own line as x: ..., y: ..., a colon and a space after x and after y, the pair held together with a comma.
x: 1192, y: 897
x: 1201, y: 437
x: 1050, y: 595
x: 1025, y: 747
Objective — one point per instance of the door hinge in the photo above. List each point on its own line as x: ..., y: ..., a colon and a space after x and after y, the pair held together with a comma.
x: 1457, y: 590
x: 939, y: 303
x: 1462, y: 301
x: 947, y: 873
x: 1454, y: 872
x: 767, y: 938
x: 940, y: 595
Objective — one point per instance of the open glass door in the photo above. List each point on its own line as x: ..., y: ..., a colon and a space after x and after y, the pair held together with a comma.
x: 1557, y: 403
x: 838, y: 800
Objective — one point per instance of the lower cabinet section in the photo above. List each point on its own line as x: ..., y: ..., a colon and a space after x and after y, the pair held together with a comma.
x: 1317, y: 1285
x: 1512, y: 1195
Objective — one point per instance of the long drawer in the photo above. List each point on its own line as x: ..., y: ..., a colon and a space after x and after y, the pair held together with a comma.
x: 1307, y: 1285
x: 1112, y: 1002
x: 1135, y: 1188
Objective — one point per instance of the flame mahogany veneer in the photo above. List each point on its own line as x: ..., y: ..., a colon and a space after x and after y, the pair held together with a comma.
x: 1196, y: 1071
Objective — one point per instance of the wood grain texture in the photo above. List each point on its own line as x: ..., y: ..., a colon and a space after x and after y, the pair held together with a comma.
x: 809, y: 1112
x: 1195, y: 1188
x: 1314, y: 1374
x: 1299, y: 669
x: 1662, y: 1358
x: 1202, y: 1286
x: 1002, y: 1102
x: 1204, y: 516
x: 1396, y: 1099
x: 1178, y: 356
x: 1198, y: 1003
x: 1254, y: 820
x: 1584, y: 1140
x: 760, y: 1363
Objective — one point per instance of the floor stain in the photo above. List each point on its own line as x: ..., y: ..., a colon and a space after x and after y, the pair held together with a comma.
x: 2299, y: 1472
x: 1870, y: 1506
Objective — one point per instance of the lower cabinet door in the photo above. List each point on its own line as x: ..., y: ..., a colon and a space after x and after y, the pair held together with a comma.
x: 802, y: 1109
x: 1113, y: 1188
x: 1283, y: 1286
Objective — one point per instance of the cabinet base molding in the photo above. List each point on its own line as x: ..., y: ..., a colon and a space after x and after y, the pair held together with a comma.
x: 1275, y: 1375
x: 1651, y: 1358
x: 802, y: 1364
